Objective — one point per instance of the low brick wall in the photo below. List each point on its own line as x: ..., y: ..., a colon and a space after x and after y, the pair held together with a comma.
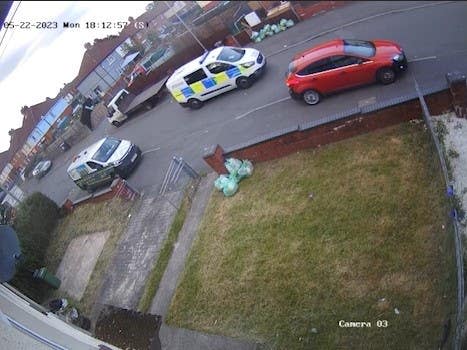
x: 119, y: 188
x: 331, y: 129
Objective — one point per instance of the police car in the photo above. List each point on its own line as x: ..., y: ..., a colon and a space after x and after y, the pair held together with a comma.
x: 214, y: 73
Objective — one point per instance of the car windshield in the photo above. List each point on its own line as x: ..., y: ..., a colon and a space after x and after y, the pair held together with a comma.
x: 39, y: 166
x: 230, y: 54
x: 42, y: 165
x: 359, y: 48
x: 106, y: 150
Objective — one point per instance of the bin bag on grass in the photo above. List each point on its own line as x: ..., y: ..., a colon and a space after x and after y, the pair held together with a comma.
x: 230, y: 187
x: 220, y: 182
x: 232, y: 165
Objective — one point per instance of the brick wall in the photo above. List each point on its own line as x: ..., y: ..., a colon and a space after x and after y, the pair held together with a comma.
x: 332, y: 129
x: 119, y: 188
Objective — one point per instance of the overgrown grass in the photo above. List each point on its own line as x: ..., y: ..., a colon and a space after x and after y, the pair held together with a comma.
x: 275, y: 266
x: 112, y: 216
x: 152, y: 284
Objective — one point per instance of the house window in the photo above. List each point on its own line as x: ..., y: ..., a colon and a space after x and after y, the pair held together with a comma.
x: 110, y: 60
x: 97, y: 90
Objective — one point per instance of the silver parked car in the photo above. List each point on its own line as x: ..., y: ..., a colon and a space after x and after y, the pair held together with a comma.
x: 42, y: 168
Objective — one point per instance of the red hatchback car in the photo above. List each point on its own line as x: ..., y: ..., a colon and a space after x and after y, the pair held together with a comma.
x: 341, y: 64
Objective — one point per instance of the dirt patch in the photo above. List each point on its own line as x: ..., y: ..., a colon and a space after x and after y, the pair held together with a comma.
x: 78, y: 262
x: 128, y: 329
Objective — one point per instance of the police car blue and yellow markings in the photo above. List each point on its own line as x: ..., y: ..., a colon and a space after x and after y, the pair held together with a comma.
x: 200, y: 86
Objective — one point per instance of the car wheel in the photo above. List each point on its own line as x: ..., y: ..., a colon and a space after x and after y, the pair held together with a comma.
x: 243, y: 82
x: 194, y: 103
x: 311, y: 97
x: 116, y: 123
x: 148, y: 105
x: 386, y: 76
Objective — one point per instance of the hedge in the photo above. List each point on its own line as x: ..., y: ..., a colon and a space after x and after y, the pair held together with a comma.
x: 35, y: 220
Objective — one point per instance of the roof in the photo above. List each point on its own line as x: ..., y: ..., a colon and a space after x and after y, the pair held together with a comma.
x: 97, y: 52
x: 318, y: 52
x: 101, y: 48
x: 31, y: 116
x: 3, y: 159
x: 85, y: 154
x: 212, y: 55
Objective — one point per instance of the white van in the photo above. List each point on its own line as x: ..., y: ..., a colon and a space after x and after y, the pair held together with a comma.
x: 101, y: 162
x: 215, y: 72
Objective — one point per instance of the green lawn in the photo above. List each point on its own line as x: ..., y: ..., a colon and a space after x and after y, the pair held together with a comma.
x: 274, y: 266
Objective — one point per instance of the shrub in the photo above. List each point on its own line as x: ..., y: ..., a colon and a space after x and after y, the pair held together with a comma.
x: 36, y: 218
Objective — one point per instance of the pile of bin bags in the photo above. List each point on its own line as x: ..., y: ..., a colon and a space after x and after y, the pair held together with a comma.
x: 238, y: 170
x: 270, y: 30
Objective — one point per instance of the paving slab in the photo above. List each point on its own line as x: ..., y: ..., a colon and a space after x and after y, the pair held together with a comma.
x: 79, y: 260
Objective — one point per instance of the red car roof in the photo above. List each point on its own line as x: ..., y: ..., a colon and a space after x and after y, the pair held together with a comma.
x: 328, y: 48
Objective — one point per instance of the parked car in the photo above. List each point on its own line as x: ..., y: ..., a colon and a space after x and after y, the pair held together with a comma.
x: 214, y: 73
x: 42, y: 168
x: 341, y: 64
x: 101, y: 162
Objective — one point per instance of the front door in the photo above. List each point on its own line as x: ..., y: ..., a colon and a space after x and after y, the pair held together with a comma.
x: 350, y: 70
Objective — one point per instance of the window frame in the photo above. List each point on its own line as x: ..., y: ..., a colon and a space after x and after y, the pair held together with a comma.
x: 228, y: 65
x: 189, y: 81
x: 110, y: 60
x: 307, y: 68
x: 333, y: 60
x: 98, y: 166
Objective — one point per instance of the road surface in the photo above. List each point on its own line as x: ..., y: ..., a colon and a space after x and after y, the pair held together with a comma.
x: 431, y: 33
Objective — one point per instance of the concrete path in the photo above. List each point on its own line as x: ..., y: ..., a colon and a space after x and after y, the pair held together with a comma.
x: 168, y: 284
x: 175, y: 338
x: 181, y: 339
x: 138, y: 249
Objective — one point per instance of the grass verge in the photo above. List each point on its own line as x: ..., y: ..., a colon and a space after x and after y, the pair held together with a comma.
x: 353, y: 231
x: 157, y: 271
x: 112, y: 216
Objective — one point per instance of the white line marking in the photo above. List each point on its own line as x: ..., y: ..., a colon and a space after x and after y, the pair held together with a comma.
x: 423, y: 59
x: 151, y: 150
x: 262, y: 107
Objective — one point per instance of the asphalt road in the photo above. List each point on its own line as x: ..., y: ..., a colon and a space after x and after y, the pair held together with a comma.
x: 431, y: 33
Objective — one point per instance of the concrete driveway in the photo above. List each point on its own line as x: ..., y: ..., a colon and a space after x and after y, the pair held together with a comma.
x: 431, y: 33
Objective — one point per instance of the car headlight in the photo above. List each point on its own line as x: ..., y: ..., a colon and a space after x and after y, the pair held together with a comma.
x: 248, y: 64
x: 398, y: 57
